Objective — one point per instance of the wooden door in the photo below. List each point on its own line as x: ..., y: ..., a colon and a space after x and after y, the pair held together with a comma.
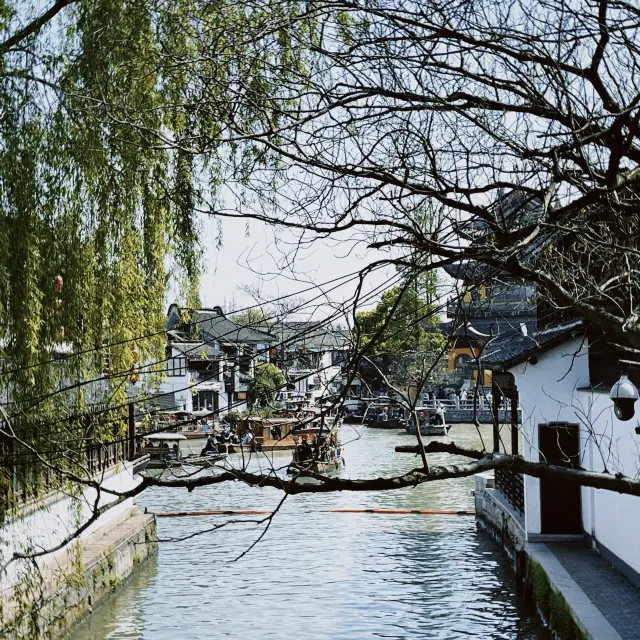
x: 560, y: 503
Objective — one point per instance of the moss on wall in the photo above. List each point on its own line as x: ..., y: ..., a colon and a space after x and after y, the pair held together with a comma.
x: 551, y: 604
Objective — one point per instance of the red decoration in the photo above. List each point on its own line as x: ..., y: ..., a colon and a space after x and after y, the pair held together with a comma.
x: 134, y: 378
x: 57, y: 284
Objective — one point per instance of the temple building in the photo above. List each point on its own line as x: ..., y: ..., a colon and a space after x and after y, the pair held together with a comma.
x: 489, y: 304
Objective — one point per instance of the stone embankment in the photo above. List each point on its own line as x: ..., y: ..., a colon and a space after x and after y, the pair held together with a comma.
x: 75, y: 582
x: 577, y: 594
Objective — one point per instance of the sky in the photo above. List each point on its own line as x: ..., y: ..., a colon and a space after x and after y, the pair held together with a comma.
x: 265, y: 258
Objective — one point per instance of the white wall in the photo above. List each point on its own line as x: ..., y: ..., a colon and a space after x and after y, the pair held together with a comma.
x: 547, y: 391
x: 59, y: 516
x: 612, y: 519
x: 556, y: 389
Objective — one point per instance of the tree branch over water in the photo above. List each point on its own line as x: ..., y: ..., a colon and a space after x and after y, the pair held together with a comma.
x: 483, y: 462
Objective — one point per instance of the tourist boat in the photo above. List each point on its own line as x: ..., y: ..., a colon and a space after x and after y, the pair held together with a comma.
x: 429, y: 429
x: 425, y: 414
x: 163, y: 450
x: 394, y: 421
x: 167, y: 455
x: 278, y: 433
x: 206, y: 461
x: 315, y: 466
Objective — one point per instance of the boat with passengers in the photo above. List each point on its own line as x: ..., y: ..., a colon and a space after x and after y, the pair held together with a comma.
x: 166, y: 455
x: 322, y: 454
x: 385, y: 414
x: 431, y: 420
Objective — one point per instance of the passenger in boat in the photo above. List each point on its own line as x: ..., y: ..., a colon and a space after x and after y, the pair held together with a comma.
x: 304, y: 451
x: 176, y: 451
x: 248, y: 437
x: 235, y: 438
x: 225, y: 436
x: 333, y: 445
x: 209, y: 447
x: 385, y: 414
x: 276, y: 432
x: 438, y: 417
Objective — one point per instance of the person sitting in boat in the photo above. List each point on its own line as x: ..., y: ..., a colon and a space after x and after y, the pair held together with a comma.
x: 176, y: 451
x: 438, y: 416
x: 334, y: 446
x: 209, y: 447
x: 322, y: 448
x: 235, y: 438
x: 385, y: 414
x: 304, y: 451
x: 225, y: 436
x: 276, y: 432
x: 248, y: 437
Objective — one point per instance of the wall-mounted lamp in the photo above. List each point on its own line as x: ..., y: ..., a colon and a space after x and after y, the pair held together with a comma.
x: 624, y: 393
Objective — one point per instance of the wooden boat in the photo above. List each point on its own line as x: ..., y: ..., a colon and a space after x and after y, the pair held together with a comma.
x: 429, y: 429
x: 330, y: 459
x: 391, y: 423
x: 315, y: 466
x: 206, y: 461
x: 286, y: 444
x: 198, y: 434
x: 166, y: 454
x: 279, y: 432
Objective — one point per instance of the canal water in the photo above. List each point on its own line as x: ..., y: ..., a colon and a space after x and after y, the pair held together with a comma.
x: 319, y: 575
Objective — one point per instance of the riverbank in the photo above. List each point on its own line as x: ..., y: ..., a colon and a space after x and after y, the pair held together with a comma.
x: 82, y: 577
x: 578, y: 595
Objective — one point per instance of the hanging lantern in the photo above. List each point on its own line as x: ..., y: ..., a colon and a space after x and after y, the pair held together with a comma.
x: 134, y: 378
x: 57, y: 284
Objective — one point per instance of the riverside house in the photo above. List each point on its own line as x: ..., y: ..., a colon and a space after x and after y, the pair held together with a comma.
x: 561, y: 376
x: 210, y: 361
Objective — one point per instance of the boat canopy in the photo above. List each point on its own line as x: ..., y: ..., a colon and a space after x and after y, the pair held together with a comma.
x: 164, y: 436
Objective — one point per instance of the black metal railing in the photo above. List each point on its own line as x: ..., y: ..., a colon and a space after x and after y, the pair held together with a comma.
x: 511, y: 486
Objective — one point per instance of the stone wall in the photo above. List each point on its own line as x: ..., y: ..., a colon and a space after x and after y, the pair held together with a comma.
x: 70, y: 589
x: 506, y: 526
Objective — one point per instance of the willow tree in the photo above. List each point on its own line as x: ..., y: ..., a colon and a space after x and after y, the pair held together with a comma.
x: 104, y: 106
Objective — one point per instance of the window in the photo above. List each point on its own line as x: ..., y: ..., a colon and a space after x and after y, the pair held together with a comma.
x: 176, y: 366
x: 205, y: 401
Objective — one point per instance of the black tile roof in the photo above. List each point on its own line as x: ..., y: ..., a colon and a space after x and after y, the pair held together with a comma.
x: 196, y: 350
x: 314, y: 336
x: 513, y: 347
x: 212, y: 324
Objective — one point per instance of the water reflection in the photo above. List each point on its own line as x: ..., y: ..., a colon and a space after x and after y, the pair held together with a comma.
x: 320, y: 575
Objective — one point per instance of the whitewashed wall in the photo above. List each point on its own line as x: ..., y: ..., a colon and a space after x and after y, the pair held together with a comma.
x: 555, y: 389
x: 612, y: 519
x: 547, y: 391
x: 53, y: 521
